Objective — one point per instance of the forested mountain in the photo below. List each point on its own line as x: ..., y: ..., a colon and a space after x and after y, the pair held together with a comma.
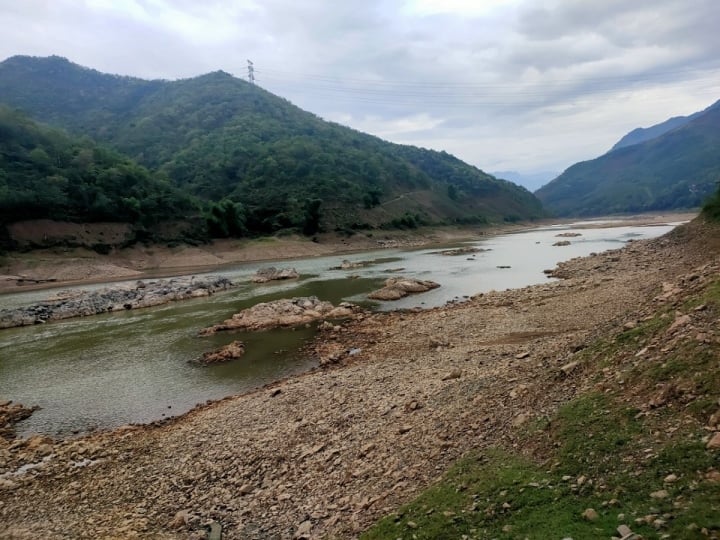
x: 678, y: 169
x: 256, y: 156
x: 639, y: 135
x: 44, y: 173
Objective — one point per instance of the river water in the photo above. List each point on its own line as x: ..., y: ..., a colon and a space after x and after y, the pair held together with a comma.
x: 133, y: 366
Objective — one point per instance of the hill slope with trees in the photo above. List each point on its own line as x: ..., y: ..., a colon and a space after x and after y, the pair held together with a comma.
x: 44, y: 173
x: 260, y: 163
x: 678, y: 169
x: 639, y: 135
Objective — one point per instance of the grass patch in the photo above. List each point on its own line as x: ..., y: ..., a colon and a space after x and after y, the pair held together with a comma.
x: 648, y: 469
x: 602, y: 462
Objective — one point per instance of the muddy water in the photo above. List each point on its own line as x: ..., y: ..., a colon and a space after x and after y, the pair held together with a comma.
x: 133, y: 366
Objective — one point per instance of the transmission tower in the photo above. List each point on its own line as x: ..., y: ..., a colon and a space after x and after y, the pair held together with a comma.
x: 251, y: 72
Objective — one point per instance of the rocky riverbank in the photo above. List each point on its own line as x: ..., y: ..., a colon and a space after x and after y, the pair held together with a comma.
x: 325, y: 454
x: 141, y: 294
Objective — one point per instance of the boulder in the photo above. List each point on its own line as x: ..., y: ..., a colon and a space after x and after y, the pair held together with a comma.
x: 350, y: 265
x: 283, y: 313
x: 231, y: 351
x: 10, y: 414
x: 263, y: 275
x: 399, y: 287
x: 562, y: 243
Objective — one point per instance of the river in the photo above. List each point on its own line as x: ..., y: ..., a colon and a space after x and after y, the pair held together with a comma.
x: 133, y: 366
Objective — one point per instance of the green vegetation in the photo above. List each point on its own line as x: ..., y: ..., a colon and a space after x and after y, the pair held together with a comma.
x: 678, y: 169
x: 712, y: 206
x: 222, y: 140
x: 643, y: 466
x: 46, y: 174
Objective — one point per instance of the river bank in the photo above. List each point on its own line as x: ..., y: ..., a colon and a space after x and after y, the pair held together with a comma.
x: 62, y: 267
x: 327, y: 453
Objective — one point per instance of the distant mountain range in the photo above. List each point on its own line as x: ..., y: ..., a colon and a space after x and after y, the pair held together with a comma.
x: 639, y: 135
x: 672, y: 165
x: 252, y: 162
x: 530, y: 181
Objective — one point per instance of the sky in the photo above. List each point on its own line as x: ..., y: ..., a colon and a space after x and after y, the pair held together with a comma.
x: 522, y: 85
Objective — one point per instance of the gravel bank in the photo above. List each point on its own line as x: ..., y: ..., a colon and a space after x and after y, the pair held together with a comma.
x: 327, y: 453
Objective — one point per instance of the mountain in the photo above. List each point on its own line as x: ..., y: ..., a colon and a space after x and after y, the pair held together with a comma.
x: 639, y: 135
x: 530, y: 181
x: 678, y: 169
x: 44, y: 173
x: 223, y: 140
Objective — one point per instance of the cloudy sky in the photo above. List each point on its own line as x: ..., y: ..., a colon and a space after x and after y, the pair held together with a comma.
x: 525, y: 85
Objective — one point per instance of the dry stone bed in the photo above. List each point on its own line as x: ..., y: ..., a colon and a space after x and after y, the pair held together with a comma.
x: 327, y: 453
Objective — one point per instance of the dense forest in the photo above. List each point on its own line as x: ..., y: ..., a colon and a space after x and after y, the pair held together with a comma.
x: 257, y: 163
x: 678, y: 169
x: 44, y: 173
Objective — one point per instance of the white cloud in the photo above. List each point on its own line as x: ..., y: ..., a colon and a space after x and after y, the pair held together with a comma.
x: 503, y: 84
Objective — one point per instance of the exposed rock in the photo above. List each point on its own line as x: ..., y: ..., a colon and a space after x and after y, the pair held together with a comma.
x: 714, y: 442
x: 562, y: 243
x: 351, y: 265
x: 106, y: 300
x: 231, y: 351
x: 568, y: 368
x: 180, y: 520
x: 396, y: 288
x: 10, y: 414
x: 270, y: 273
x: 460, y: 251
x: 679, y: 321
x: 521, y: 419
x: 303, y: 530
x: 624, y: 531
x: 283, y: 313
x: 456, y: 373
x: 568, y: 235
x: 590, y: 514
x: 659, y: 494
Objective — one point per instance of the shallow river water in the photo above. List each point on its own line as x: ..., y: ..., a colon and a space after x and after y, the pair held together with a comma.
x: 133, y: 366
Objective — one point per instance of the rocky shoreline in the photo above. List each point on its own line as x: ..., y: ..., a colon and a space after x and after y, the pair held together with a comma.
x: 141, y: 294
x: 325, y: 454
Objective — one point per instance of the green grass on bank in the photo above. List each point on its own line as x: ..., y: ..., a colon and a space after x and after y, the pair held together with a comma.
x: 605, y: 450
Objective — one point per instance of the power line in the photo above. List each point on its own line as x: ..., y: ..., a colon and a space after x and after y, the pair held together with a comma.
x: 291, y: 76
x: 448, y: 95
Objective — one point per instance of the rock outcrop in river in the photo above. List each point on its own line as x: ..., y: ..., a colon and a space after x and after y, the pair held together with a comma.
x: 231, y: 351
x: 283, y: 313
x: 143, y: 294
x: 274, y: 274
x: 400, y: 287
x: 10, y: 414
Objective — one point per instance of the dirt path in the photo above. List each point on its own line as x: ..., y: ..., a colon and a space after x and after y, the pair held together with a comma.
x: 327, y: 453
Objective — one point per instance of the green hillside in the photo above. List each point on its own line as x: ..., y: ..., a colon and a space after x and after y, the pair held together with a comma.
x: 217, y: 137
x: 44, y: 173
x: 639, y: 135
x: 678, y: 169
